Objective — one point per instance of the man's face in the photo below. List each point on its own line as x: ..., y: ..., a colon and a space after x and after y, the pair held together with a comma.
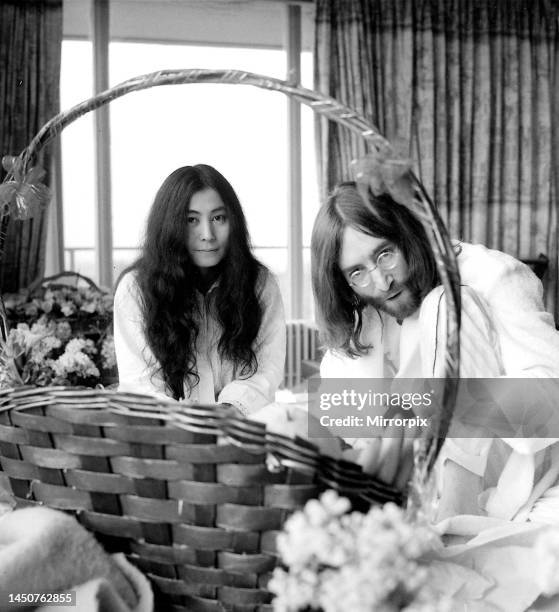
x: 388, y: 290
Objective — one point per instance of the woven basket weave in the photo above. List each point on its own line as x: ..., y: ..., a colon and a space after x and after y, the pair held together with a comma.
x: 186, y: 492
x: 193, y: 496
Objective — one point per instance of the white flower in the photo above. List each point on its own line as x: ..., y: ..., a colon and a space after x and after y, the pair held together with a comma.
x: 90, y: 307
x: 75, y: 361
x: 68, y: 308
x: 27, y: 338
x: 46, y: 305
x: 339, y: 562
x: 77, y: 345
x: 108, y: 352
x: 294, y: 592
x: 334, y: 504
x: 42, y: 348
x: 31, y: 309
x: 316, y: 513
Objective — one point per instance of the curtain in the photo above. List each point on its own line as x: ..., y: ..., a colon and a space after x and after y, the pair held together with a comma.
x: 30, y: 49
x: 469, y: 90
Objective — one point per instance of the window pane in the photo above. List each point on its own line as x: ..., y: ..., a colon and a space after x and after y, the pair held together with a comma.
x: 308, y: 300
x: 81, y: 260
x: 78, y: 183
x: 122, y: 258
x: 310, y: 197
x: 239, y: 130
x: 276, y: 261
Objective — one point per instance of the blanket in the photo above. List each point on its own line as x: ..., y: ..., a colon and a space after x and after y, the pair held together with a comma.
x: 45, y: 551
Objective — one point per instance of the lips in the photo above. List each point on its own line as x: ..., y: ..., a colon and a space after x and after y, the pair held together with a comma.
x: 394, y: 295
x: 207, y: 250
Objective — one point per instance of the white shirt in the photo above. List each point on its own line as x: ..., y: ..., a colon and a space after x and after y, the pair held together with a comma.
x: 138, y: 368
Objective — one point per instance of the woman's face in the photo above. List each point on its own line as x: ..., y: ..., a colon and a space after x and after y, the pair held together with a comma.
x: 208, y: 228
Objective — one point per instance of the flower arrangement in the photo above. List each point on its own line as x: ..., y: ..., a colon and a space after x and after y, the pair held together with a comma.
x: 338, y: 561
x: 60, y: 335
x: 394, y: 560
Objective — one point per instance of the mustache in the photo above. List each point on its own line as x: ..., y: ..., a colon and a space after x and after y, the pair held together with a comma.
x: 393, y: 291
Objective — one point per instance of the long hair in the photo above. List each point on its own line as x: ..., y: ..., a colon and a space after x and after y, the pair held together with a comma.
x: 339, y: 310
x: 167, y: 279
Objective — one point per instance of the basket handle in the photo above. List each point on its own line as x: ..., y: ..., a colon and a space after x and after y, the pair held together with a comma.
x: 48, y: 279
x: 341, y: 114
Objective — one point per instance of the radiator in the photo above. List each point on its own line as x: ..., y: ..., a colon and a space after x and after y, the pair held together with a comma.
x: 302, y: 345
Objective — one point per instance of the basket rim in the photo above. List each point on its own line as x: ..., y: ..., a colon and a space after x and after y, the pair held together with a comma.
x: 103, y: 407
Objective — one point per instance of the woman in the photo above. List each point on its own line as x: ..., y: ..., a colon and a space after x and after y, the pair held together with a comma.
x: 197, y: 316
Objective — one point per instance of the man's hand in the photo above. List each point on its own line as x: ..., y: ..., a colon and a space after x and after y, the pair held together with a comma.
x: 233, y: 410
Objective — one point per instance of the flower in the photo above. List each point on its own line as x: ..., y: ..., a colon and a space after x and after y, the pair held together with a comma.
x: 76, y: 360
x: 67, y: 308
x: 60, y: 335
x: 108, y: 352
x: 22, y: 194
x: 338, y: 561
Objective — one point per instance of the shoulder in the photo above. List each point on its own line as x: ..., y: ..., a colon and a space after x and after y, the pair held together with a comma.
x: 468, y: 295
x: 500, y: 279
x: 127, y: 288
x: 474, y: 308
x: 482, y: 268
x: 337, y: 364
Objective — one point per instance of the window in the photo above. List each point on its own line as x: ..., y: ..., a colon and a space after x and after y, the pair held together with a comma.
x: 78, y: 162
x: 240, y: 130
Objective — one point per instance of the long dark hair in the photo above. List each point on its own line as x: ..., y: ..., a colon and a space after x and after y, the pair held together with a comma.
x: 338, y: 309
x: 167, y: 280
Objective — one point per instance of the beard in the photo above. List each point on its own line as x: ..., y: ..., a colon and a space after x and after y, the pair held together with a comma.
x: 401, y: 306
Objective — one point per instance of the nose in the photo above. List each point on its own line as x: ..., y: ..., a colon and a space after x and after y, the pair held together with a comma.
x: 206, y: 230
x: 382, y: 280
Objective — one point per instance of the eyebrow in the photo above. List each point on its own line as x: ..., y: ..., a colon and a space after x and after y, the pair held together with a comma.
x: 213, y: 211
x: 374, y: 254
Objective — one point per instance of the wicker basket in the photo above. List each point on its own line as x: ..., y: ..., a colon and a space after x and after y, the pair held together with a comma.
x: 193, y: 496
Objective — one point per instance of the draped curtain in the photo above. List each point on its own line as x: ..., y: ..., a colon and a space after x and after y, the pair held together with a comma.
x: 30, y: 49
x: 469, y: 90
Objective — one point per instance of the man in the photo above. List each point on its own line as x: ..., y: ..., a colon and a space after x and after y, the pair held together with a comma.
x: 381, y: 312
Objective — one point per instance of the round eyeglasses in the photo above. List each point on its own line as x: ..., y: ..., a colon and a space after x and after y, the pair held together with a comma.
x: 387, y: 260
